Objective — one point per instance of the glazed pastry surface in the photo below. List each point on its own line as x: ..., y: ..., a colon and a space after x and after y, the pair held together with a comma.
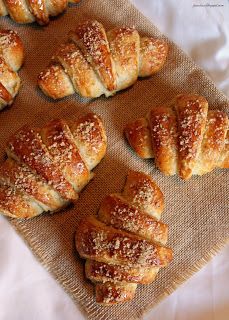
x: 11, y: 60
x: 93, y: 62
x: 47, y: 167
x: 125, y: 245
x: 22, y: 11
x: 184, y: 138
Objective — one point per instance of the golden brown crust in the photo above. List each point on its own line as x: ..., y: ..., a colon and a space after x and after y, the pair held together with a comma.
x: 110, y: 293
x: 23, y: 11
x: 47, y: 173
x: 124, y: 46
x: 54, y: 82
x: 11, y: 49
x: 27, y: 146
x: 120, y: 214
x: 90, y: 138
x: 107, y: 244
x: 142, y: 192
x: 11, y: 59
x: 163, y: 127
x: 19, y: 11
x: 81, y: 73
x: 10, y: 83
x: 18, y: 175
x: 92, y: 40
x: 55, y: 7
x: 3, y: 9
x: 39, y: 11
x: 5, y: 95
x: 138, y: 136
x: 99, y: 63
x: 125, y: 250
x: 59, y: 141
x: 153, y: 54
x: 15, y: 205
x: 213, y: 142
x: 191, y: 119
x: 186, y: 138
x: 102, y: 272
x: 224, y: 158
x: 9, y: 78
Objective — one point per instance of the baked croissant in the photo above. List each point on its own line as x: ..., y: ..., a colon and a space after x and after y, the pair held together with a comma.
x: 93, y: 62
x: 126, y: 244
x: 22, y: 11
x: 11, y: 59
x: 185, y: 138
x: 47, y: 168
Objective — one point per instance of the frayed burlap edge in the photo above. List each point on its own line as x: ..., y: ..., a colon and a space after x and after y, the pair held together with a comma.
x: 31, y: 241
x: 189, y: 273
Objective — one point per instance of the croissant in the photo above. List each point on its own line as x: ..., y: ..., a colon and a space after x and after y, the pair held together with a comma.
x: 184, y: 138
x: 22, y: 11
x: 93, y: 62
x: 47, y: 168
x: 126, y: 244
x: 11, y: 59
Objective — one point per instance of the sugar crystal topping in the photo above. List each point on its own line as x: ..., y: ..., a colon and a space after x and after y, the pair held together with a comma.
x: 28, y: 146
x: 127, y: 217
x: 123, y: 47
x: 113, y: 293
x: 13, y: 201
x: 214, y: 136
x: 163, y: 129
x: 53, y: 75
x: 103, y: 271
x: 191, y: 120
x: 61, y: 148
x: 94, y: 41
x: 154, y: 49
x: 70, y: 56
x: 143, y: 193
x: 7, y: 39
x: 96, y: 50
x: 89, y: 133
x: 21, y: 177
x: 120, y: 247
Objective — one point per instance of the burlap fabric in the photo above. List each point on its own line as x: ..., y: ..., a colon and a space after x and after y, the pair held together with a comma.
x: 196, y: 211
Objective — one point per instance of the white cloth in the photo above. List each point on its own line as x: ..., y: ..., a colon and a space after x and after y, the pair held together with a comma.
x: 27, y: 291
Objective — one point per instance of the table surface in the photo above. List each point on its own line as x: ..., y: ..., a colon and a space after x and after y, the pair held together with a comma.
x: 28, y: 291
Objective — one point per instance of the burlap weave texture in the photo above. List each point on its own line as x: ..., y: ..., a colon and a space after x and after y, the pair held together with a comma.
x: 196, y: 211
